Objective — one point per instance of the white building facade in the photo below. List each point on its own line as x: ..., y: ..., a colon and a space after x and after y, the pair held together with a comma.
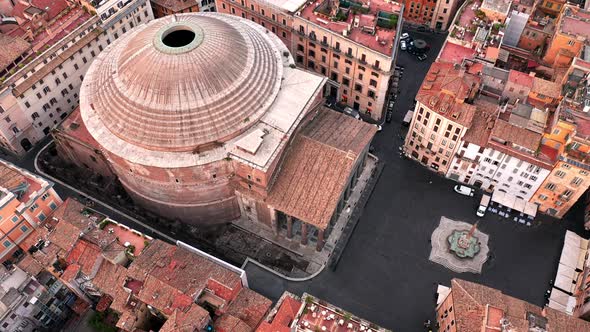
x: 44, y: 91
x: 490, y: 170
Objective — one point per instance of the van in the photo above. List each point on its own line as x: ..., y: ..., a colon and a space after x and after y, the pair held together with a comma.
x: 483, y: 205
x: 408, y: 118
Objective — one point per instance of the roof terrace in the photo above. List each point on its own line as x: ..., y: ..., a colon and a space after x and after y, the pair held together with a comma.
x: 370, y: 23
x: 320, y: 316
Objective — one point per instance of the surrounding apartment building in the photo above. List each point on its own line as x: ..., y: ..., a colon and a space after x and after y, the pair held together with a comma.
x: 308, y: 313
x: 28, y: 305
x: 570, y: 293
x: 467, y: 307
x: 169, y: 7
x: 151, y: 284
x: 572, y: 34
x: 26, y: 200
x: 568, y: 179
x: 432, y: 14
x: 352, y: 43
x: 41, y: 88
x: 500, y: 150
x: 443, y: 112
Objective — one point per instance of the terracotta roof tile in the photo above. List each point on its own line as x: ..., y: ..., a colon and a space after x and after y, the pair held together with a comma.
x: 30, y: 265
x: 71, y: 273
x: 85, y: 255
x: 481, y: 126
x: 250, y: 307
x: 229, y: 323
x: 547, y: 88
x: 193, y: 319
x: 520, y: 78
x: 318, y: 164
x: 517, y: 135
x: 286, y: 313
x: 52, y: 7
x: 12, y: 48
x: 445, y: 89
x: 471, y: 301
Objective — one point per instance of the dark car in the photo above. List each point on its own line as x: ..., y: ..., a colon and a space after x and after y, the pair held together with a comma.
x: 388, y: 116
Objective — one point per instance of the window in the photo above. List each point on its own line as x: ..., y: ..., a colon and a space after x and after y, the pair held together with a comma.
x: 550, y: 186
x: 41, y: 216
x: 566, y: 166
x: 14, y: 218
x: 57, y: 81
x: 371, y: 93
x: 76, y: 66
x: 543, y: 197
x: 6, y: 244
x: 577, y: 181
x: 24, y: 228
x: 358, y: 87
x: 26, y: 104
x: 373, y: 83
x: 33, y: 207
x: 35, y: 115
x: 571, y: 42
x: 560, y: 174
x: 345, y: 81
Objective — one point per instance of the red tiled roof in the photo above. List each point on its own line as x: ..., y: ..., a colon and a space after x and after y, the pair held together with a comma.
x: 481, y: 126
x: 445, y: 89
x: 229, y: 323
x: 12, y: 48
x: 110, y: 278
x: 454, y: 53
x: 283, y: 318
x: 519, y: 78
x: 517, y: 135
x: 30, y: 265
x: 53, y: 7
x: 104, y: 303
x: 549, y: 152
x: 71, y: 273
x: 547, y: 88
x: 193, y: 319
x: 85, y: 255
x: 470, y: 301
x: 317, y: 167
x: 249, y: 306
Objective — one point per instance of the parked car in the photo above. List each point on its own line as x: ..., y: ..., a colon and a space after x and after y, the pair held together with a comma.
x: 464, y: 190
x: 405, y: 36
x: 483, y: 205
x: 403, y: 45
x: 421, y: 57
x: 390, y: 105
x: 352, y: 112
x: 388, y: 116
x: 379, y: 127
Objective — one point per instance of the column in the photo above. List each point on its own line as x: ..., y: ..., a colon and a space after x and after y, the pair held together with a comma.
x: 274, y: 224
x: 320, y: 243
x: 289, y: 227
x: 303, y: 233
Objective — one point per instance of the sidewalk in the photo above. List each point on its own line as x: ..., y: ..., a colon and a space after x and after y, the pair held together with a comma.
x: 318, y: 260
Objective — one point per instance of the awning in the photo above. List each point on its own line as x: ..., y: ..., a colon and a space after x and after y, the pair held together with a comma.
x: 561, y: 301
x: 514, y: 203
x: 530, y: 209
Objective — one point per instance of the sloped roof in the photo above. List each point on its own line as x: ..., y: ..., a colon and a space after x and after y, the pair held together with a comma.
x: 283, y: 318
x: 445, y: 89
x: 230, y: 323
x: 547, y: 88
x: 483, y: 121
x: 12, y: 48
x: 471, y: 300
x: 519, y: 78
x: 318, y: 165
x: 517, y: 135
x: 249, y: 306
x: 186, y: 321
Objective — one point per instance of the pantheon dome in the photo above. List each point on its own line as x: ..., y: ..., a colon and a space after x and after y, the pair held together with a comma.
x: 185, y: 106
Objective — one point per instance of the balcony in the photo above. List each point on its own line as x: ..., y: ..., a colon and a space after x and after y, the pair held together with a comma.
x: 349, y: 55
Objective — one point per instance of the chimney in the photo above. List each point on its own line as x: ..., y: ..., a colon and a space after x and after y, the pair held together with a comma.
x: 532, y: 74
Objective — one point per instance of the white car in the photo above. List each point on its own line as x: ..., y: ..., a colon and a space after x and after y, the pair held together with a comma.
x: 379, y: 127
x: 464, y: 190
x: 403, y: 45
x: 405, y: 36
